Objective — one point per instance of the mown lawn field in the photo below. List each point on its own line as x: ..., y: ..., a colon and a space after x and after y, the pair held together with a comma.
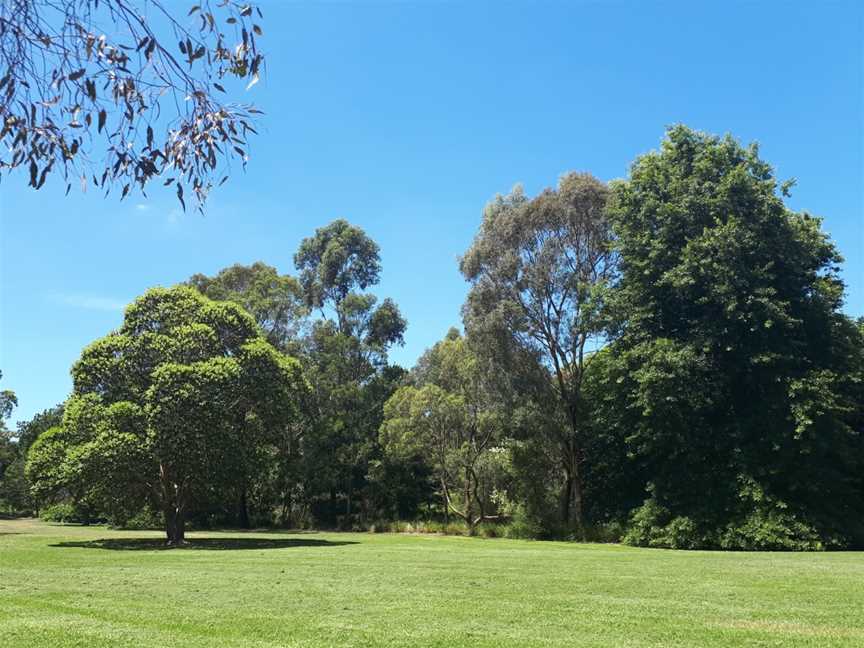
x: 63, y: 586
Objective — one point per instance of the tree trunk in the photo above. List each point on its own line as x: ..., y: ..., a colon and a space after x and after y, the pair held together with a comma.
x: 244, y: 511
x: 348, y: 502
x: 287, y: 518
x: 572, y: 491
x: 469, y: 509
x: 175, y: 525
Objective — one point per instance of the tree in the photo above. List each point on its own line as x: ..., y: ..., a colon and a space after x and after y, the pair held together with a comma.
x: 14, y: 489
x: 29, y: 431
x: 346, y: 359
x: 121, y: 108
x: 738, y: 369
x: 539, y: 271
x: 53, y: 476
x: 275, y: 301
x: 9, y: 448
x: 338, y: 260
x: 449, y: 417
x: 169, y: 407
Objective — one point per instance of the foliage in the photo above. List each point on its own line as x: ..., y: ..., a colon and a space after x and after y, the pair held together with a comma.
x: 737, y: 364
x: 539, y: 270
x: 345, y: 355
x: 450, y: 419
x: 125, y: 106
x: 275, y: 301
x: 146, y: 518
x: 168, y: 408
x: 339, y: 259
x: 29, y: 431
x: 62, y: 512
x: 767, y: 525
x: 13, y: 492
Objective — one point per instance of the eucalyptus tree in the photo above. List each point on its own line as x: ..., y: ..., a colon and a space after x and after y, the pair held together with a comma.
x: 451, y: 418
x: 119, y: 107
x: 540, y: 269
x: 346, y: 357
x: 334, y: 263
x: 168, y: 408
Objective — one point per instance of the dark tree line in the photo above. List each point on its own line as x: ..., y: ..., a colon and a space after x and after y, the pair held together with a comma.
x: 662, y: 359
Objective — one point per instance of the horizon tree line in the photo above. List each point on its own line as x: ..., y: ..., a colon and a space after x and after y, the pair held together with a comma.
x: 662, y: 359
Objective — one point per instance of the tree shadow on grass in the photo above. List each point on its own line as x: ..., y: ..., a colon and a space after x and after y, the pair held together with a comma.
x: 210, y: 544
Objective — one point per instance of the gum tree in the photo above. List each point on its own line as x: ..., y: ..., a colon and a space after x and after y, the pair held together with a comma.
x: 539, y: 270
x: 346, y: 354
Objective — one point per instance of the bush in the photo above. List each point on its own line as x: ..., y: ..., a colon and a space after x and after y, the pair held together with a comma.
x: 762, y: 523
x: 144, y: 519
x: 63, y: 512
x: 607, y: 532
x: 771, y: 530
x: 652, y: 525
x: 523, y: 527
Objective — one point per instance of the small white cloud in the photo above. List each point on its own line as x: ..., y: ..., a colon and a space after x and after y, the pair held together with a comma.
x: 90, y: 302
x: 173, y: 218
x: 142, y: 207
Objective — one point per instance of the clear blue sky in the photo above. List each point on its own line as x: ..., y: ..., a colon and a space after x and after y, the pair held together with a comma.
x: 407, y: 118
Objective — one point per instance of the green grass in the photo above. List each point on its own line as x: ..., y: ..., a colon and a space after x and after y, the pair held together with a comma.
x: 64, y: 586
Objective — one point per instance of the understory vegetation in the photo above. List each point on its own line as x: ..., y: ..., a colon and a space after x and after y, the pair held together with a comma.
x: 661, y: 360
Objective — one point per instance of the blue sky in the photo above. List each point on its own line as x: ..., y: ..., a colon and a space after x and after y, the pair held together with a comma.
x: 407, y: 118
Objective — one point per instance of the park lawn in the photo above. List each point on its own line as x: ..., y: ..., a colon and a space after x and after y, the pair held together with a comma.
x: 63, y: 586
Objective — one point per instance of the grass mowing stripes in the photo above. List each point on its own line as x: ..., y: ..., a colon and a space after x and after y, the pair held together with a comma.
x: 65, y: 586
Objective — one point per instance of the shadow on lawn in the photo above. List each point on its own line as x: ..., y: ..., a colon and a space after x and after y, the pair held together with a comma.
x: 215, y: 544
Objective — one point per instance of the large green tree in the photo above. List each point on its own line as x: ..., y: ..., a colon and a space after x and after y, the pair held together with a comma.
x: 739, y: 373
x: 539, y: 270
x: 168, y: 408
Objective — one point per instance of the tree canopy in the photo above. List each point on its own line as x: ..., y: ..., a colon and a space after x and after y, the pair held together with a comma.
x: 741, y: 370
x: 275, y: 301
x: 662, y: 360
x: 169, y: 406
x: 539, y: 270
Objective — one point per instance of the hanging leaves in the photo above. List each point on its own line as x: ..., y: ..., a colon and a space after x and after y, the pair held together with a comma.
x: 59, y: 120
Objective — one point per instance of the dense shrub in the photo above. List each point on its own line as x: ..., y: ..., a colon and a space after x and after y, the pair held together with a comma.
x: 146, y: 518
x: 62, y: 512
x: 762, y: 523
x: 652, y: 525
